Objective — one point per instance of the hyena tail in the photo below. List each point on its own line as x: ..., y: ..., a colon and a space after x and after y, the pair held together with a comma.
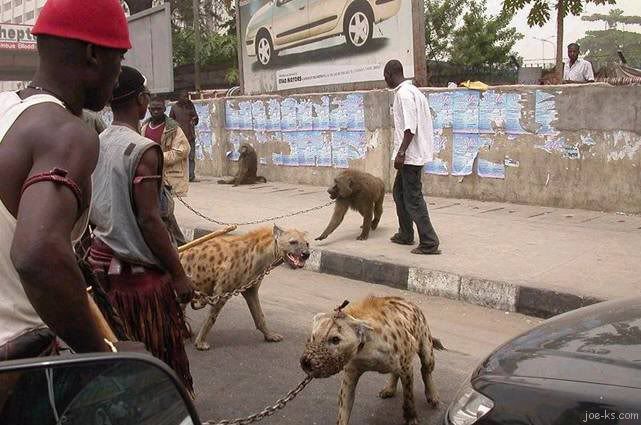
x: 437, y: 344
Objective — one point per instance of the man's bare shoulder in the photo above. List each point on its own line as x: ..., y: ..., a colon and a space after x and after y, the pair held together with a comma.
x: 51, y: 126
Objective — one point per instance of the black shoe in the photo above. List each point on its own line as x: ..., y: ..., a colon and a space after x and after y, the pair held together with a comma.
x: 399, y: 240
x: 426, y: 251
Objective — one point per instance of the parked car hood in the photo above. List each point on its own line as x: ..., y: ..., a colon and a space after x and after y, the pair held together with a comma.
x: 599, y: 344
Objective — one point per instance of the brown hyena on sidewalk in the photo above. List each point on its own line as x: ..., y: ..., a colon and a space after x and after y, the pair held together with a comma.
x: 379, y: 334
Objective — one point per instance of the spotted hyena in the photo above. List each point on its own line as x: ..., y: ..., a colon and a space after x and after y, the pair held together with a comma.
x: 380, y: 334
x: 225, y: 263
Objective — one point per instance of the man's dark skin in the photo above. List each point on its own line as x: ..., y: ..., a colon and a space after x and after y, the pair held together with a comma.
x: 147, y: 199
x: 47, y: 136
x: 157, y: 111
x: 393, y: 80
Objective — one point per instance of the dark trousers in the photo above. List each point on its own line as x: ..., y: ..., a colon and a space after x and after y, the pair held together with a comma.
x: 192, y: 160
x: 411, y: 207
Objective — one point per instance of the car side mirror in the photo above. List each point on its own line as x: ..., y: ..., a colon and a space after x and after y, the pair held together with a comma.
x: 93, y: 389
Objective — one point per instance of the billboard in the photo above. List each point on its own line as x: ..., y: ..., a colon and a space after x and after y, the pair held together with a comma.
x: 16, y: 37
x: 151, y: 52
x: 291, y: 44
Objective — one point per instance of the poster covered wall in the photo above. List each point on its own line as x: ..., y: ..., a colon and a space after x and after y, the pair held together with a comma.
x: 290, y: 44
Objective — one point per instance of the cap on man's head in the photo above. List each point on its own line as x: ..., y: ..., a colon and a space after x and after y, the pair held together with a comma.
x: 130, y: 83
x: 99, y: 22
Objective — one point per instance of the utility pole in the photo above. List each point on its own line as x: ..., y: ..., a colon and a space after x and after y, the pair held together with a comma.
x: 196, y: 45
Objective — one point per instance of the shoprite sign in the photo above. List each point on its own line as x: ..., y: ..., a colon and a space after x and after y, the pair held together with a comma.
x: 17, y: 37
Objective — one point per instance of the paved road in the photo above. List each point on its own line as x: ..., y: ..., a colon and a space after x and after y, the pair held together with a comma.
x: 242, y: 374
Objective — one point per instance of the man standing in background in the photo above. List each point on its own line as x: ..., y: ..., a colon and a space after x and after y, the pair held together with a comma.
x: 578, y: 71
x: 184, y: 112
x: 413, y: 148
x: 167, y: 133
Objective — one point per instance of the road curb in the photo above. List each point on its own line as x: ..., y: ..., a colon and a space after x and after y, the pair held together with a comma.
x: 500, y: 295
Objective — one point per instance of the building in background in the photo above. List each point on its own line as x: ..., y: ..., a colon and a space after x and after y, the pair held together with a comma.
x: 20, y: 11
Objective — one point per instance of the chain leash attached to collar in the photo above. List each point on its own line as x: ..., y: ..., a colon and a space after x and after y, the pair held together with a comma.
x: 201, y: 299
x: 263, y: 220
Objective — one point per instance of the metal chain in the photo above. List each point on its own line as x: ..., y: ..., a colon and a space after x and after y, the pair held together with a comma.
x: 268, y: 411
x: 201, y: 299
x: 263, y: 220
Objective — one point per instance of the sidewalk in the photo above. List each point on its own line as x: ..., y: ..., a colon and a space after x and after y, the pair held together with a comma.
x: 533, y: 260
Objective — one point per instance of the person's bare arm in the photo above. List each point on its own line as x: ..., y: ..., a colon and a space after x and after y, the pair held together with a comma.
x: 147, y: 207
x: 41, y: 250
x: 400, y: 156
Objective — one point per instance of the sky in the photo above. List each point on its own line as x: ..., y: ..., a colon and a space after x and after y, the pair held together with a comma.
x: 533, y: 50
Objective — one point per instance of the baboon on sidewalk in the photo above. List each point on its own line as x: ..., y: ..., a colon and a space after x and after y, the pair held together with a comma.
x: 361, y: 192
x: 247, y: 167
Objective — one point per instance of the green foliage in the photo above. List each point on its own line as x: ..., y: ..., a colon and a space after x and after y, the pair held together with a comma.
x: 483, y: 40
x: 540, y: 10
x: 440, y: 21
x: 215, y: 48
x: 602, y: 46
x: 613, y: 18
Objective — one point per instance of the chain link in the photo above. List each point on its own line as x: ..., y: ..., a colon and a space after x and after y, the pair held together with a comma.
x: 201, y: 299
x: 263, y: 220
x: 268, y: 411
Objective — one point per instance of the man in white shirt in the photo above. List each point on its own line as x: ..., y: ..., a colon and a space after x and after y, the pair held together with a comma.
x: 578, y: 70
x: 413, y: 148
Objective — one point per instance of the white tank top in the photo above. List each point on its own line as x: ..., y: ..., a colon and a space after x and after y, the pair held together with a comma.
x: 17, y: 315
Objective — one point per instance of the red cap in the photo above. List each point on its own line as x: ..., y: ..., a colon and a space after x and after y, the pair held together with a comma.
x: 99, y: 22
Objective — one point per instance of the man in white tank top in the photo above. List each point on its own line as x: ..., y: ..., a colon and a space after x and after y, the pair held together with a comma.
x: 47, y: 156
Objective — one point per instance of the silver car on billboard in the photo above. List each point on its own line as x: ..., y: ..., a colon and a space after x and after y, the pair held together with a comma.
x: 283, y: 24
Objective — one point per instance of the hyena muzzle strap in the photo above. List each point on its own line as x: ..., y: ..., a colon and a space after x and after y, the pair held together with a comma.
x: 58, y: 176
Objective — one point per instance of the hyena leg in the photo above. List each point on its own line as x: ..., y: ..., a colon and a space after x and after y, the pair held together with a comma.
x: 409, y: 407
x: 426, y: 354
x: 251, y: 297
x: 346, y: 396
x: 390, y: 389
x: 214, y: 310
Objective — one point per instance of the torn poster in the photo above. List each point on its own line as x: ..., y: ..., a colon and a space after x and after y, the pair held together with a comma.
x: 346, y: 146
x: 321, y: 114
x: 465, y: 148
x: 490, y: 169
x: 259, y: 115
x: 304, y: 115
x: 437, y: 167
x: 245, y: 115
x: 465, y: 105
x: 545, y: 113
x: 273, y: 115
x: 204, y: 135
x: 289, y: 114
x: 441, y: 107
x: 232, y: 119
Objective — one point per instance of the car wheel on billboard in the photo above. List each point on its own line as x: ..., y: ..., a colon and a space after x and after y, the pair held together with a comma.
x: 358, y: 27
x: 264, y: 48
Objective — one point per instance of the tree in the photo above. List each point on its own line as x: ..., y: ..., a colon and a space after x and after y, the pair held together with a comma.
x: 540, y: 14
x: 602, y: 46
x: 482, y: 40
x: 614, y: 18
x: 440, y: 22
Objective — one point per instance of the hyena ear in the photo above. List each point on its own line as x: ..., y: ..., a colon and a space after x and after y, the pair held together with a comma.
x: 278, y: 232
x: 361, y: 328
x: 316, y: 320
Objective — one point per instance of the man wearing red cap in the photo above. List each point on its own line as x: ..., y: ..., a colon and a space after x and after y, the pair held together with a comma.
x: 47, y: 156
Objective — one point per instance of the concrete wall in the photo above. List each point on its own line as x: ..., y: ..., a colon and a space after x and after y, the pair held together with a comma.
x: 562, y: 146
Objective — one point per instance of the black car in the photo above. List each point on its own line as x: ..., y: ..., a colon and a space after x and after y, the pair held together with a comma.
x: 582, y: 367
